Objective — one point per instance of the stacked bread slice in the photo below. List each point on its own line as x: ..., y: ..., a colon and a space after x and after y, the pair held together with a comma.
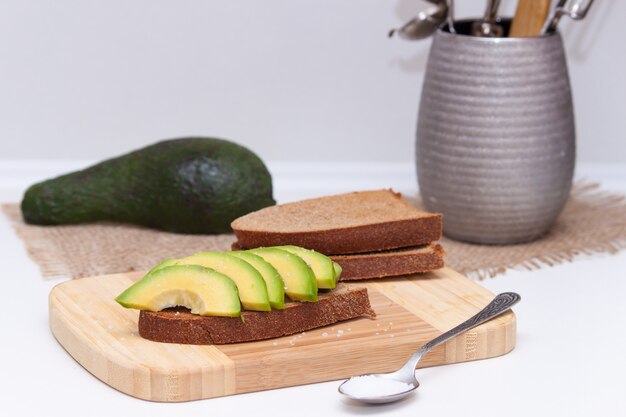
x: 370, y: 234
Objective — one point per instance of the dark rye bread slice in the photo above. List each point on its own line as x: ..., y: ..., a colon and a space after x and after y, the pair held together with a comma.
x: 178, y: 325
x: 390, y: 263
x: 349, y: 223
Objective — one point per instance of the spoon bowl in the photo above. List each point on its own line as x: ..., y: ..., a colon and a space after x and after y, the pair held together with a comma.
x: 393, y: 386
x: 352, y: 388
x: 424, y: 25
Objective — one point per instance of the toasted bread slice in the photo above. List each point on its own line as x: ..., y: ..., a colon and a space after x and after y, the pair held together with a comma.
x: 390, y: 263
x: 178, y: 325
x: 349, y: 223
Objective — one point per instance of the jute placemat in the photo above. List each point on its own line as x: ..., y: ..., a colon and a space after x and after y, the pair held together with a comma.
x: 593, y: 221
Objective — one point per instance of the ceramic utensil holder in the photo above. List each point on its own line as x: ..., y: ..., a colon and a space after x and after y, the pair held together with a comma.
x: 495, y: 135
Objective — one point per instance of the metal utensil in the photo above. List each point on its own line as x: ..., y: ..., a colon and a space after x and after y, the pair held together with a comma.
x: 450, y: 4
x: 575, y: 10
x: 399, y: 384
x: 425, y: 24
x: 552, y: 21
x: 488, y: 26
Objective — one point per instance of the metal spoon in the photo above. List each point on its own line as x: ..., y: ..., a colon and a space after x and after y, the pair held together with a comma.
x: 424, y: 25
x: 488, y: 26
x: 575, y: 11
x: 402, y: 382
x: 553, y: 19
x: 450, y: 4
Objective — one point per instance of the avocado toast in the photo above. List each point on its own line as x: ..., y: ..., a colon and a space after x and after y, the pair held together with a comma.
x: 232, y: 297
x: 178, y: 325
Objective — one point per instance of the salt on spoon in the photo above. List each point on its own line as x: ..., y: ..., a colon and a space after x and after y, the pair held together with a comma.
x: 393, y: 386
x: 368, y: 385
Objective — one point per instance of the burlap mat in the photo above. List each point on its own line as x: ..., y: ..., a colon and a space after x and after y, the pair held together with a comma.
x: 593, y: 221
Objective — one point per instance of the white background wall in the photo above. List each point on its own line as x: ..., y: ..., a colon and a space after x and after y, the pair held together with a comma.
x: 292, y: 79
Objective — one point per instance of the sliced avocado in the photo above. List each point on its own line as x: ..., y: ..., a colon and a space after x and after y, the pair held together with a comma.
x: 321, y: 265
x: 273, y: 281
x: 200, y: 289
x: 300, y: 283
x: 252, y: 288
x: 163, y: 264
x: 338, y: 270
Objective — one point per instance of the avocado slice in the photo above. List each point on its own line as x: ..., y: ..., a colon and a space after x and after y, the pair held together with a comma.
x: 252, y: 289
x: 273, y: 281
x: 321, y: 265
x: 300, y: 283
x: 338, y: 270
x: 200, y: 289
x: 163, y: 264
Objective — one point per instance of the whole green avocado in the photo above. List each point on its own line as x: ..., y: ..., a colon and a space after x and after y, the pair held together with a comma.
x: 189, y: 185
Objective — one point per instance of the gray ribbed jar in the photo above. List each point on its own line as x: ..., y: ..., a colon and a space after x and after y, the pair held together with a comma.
x: 495, y: 136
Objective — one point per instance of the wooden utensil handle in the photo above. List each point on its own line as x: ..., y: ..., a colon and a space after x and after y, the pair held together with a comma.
x: 529, y: 18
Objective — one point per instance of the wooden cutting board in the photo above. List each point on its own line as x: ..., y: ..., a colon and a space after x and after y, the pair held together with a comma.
x: 103, y: 338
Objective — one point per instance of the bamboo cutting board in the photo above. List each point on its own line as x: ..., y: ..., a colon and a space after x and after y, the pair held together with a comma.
x: 102, y: 336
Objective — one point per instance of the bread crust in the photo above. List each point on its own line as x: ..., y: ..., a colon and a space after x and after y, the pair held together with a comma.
x: 390, y: 263
x: 177, y: 325
x: 360, y: 239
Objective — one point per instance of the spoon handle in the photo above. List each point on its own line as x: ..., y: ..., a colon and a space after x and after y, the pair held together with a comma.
x: 492, y: 11
x: 502, y: 303
x: 450, y: 4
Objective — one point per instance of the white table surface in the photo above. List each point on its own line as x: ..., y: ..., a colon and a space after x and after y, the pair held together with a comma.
x: 570, y: 356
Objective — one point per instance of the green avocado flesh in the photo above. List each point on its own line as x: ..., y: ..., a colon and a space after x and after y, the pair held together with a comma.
x: 252, y: 288
x: 202, y: 290
x: 273, y: 281
x: 322, y: 266
x: 189, y: 185
x: 299, y: 280
x: 163, y: 264
x: 222, y: 283
x: 338, y: 270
